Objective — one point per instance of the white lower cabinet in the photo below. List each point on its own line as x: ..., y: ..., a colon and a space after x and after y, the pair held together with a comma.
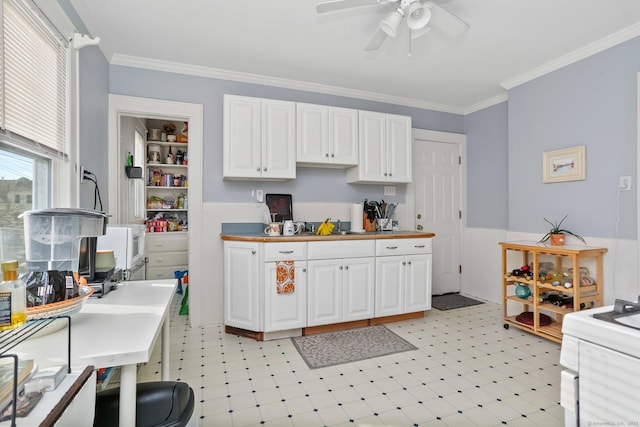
x: 340, y: 290
x: 285, y: 310
x: 242, y: 273
x: 168, y: 253
x: 403, y: 281
x: 335, y: 282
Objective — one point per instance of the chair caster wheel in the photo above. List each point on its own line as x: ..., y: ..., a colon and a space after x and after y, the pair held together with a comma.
x: 506, y: 326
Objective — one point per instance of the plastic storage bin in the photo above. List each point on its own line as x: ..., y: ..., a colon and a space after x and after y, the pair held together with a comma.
x: 52, y: 236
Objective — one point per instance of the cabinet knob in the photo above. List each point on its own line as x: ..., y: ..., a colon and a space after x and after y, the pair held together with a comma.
x: 332, y: 155
x: 264, y: 169
x: 341, y: 267
x: 404, y: 263
x: 304, y: 270
x: 253, y: 252
x: 385, y: 174
x: 326, y: 155
x: 258, y: 169
x: 409, y: 262
x: 346, y: 267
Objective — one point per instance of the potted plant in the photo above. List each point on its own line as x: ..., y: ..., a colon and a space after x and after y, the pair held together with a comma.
x: 556, y: 234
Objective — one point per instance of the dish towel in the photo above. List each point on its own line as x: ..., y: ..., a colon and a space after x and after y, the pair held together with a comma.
x: 285, y: 276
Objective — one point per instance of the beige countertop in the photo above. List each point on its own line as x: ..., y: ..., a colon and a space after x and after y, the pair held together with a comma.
x: 258, y: 237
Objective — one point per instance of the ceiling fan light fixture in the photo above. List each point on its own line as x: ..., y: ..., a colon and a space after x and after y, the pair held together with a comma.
x: 419, y: 15
x: 390, y: 24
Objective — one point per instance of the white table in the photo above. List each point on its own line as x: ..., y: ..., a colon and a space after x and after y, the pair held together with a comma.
x: 119, y: 329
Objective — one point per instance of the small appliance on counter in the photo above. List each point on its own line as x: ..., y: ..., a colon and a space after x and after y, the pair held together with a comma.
x: 59, y: 243
x: 127, y: 241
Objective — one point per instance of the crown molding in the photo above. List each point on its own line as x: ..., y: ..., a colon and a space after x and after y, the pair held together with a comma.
x: 490, y: 102
x: 194, y: 70
x: 575, y: 56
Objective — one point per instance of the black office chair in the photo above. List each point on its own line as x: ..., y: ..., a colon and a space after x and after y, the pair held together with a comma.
x: 158, y: 404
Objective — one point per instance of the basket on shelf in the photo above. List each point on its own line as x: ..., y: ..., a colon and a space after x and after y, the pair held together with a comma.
x: 61, y: 308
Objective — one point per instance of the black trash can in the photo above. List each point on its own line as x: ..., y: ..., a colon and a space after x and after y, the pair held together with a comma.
x: 158, y: 404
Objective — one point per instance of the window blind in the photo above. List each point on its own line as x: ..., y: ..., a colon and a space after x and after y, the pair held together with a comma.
x: 33, y: 99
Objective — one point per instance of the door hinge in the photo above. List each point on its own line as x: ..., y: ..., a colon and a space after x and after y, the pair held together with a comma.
x: 460, y: 269
x: 459, y: 214
x: 459, y: 160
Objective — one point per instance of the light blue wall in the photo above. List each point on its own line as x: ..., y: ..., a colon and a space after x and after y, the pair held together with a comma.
x: 94, y: 118
x: 591, y: 103
x: 487, y: 179
x: 311, y: 184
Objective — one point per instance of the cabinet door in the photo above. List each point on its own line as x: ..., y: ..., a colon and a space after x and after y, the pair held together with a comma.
x: 242, y: 285
x: 390, y: 279
x: 312, y: 133
x: 285, y: 311
x: 398, y: 149
x: 358, y: 282
x: 343, y: 136
x: 325, y: 292
x: 278, y: 139
x: 418, y: 283
x: 371, y: 146
x: 241, y: 135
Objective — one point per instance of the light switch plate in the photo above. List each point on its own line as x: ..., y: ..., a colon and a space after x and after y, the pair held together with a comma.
x: 259, y: 196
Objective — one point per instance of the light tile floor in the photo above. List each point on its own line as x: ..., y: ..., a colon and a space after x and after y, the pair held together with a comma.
x: 468, y: 370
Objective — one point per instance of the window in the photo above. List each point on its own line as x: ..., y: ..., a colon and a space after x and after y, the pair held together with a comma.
x: 33, y: 119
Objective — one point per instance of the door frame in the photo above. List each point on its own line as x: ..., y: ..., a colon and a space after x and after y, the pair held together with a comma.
x: 120, y: 105
x: 449, y: 138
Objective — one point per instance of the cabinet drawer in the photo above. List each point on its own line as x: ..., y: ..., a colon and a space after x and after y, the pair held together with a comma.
x: 165, y: 259
x: 403, y: 246
x: 285, y: 251
x: 167, y: 242
x: 341, y: 249
x: 157, y: 273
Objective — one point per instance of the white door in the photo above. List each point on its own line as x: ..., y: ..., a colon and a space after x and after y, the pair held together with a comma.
x: 398, y: 150
x: 285, y: 311
x: 418, y: 283
x: 358, y: 283
x: 242, y: 285
x: 343, y: 135
x: 242, y: 156
x: 390, y: 285
x: 437, y: 185
x: 372, y: 145
x: 325, y: 292
x: 278, y: 139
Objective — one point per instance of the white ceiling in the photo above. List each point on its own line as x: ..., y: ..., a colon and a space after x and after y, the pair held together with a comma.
x: 286, y: 43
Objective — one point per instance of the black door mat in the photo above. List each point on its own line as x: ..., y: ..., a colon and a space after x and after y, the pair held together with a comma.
x: 451, y: 301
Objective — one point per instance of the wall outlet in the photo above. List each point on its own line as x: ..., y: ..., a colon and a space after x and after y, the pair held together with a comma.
x: 389, y: 190
x: 259, y: 196
x: 625, y: 183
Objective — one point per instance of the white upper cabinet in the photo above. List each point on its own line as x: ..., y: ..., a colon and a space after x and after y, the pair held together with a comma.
x: 258, y: 138
x: 327, y: 136
x: 384, y: 149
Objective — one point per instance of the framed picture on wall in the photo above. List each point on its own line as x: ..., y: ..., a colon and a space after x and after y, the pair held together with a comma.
x: 567, y: 164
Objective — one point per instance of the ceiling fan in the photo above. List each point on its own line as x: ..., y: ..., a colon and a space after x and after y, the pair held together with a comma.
x: 420, y: 16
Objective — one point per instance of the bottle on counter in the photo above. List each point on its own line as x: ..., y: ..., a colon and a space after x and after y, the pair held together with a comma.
x: 13, y: 297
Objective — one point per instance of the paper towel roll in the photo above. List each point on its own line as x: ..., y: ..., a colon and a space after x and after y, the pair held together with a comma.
x: 357, y: 210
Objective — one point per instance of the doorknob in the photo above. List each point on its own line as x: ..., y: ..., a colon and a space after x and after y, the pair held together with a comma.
x: 419, y: 216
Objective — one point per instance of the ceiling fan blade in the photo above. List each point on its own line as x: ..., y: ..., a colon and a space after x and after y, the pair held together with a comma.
x: 419, y: 33
x: 330, y: 6
x: 378, y: 38
x: 446, y: 21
